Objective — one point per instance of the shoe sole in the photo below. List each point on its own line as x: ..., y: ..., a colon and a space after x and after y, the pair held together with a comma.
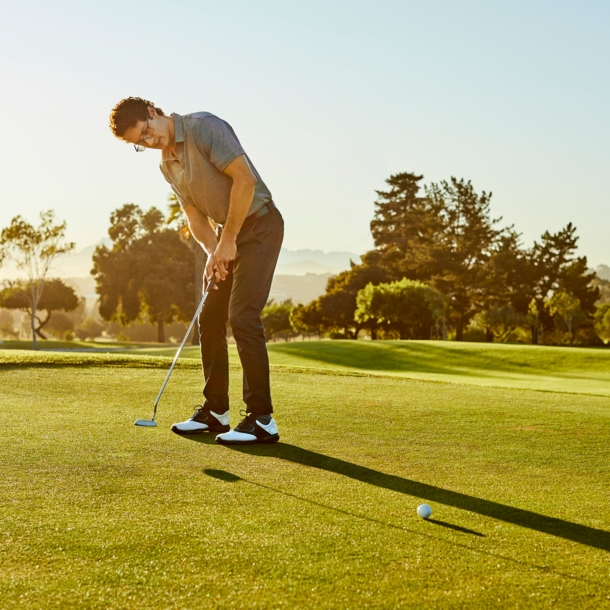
x: 268, y: 439
x: 218, y: 430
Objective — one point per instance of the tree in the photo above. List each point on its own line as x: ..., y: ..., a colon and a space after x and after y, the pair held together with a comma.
x: 445, y: 238
x: 276, y: 319
x: 338, y: 306
x: 56, y: 296
x: 461, y: 266
x: 500, y: 321
x: 556, y: 269
x: 567, y: 307
x: 177, y: 219
x: 7, y: 325
x: 307, y: 319
x: 89, y: 329
x: 147, y: 272
x: 34, y: 249
x: 405, y: 229
x: 407, y: 307
x: 602, y: 322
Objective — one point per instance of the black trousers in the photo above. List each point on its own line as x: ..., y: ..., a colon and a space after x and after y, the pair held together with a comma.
x: 240, y: 299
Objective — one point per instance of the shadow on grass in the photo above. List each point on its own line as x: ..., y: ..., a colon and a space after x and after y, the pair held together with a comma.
x: 229, y: 477
x: 589, y: 536
x: 449, y: 358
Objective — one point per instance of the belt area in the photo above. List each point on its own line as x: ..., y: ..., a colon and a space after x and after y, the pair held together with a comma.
x: 268, y: 207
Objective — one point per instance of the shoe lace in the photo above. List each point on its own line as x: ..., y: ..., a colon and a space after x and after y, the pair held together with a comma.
x: 248, y: 419
x: 198, y: 409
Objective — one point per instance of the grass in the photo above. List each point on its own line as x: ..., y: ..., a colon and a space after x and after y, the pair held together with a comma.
x: 97, y: 513
x: 565, y: 369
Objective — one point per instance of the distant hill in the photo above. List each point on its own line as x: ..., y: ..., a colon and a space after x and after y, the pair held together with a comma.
x: 603, y: 271
x: 333, y: 261
x: 291, y: 262
x: 301, y: 275
x: 299, y: 288
x: 78, y: 263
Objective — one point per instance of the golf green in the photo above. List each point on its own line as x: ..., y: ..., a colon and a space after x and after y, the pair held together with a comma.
x: 97, y: 513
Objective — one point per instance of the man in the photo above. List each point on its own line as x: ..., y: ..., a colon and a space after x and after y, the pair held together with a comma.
x: 231, y: 213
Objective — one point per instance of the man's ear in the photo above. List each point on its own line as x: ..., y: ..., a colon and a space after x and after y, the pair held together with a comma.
x: 152, y: 113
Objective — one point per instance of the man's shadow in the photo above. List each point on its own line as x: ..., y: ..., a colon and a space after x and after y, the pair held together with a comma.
x: 590, y: 536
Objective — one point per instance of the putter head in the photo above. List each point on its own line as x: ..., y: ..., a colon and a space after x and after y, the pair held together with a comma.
x: 145, y: 422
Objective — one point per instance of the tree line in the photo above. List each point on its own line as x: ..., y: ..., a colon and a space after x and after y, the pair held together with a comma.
x: 441, y: 267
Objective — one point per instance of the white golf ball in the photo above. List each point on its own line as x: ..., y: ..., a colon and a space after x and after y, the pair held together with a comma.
x: 424, y: 511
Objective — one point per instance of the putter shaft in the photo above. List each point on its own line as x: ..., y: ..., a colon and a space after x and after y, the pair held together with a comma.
x: 186, y: 336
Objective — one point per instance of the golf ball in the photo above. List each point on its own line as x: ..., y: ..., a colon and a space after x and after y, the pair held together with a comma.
x: 424, y: 511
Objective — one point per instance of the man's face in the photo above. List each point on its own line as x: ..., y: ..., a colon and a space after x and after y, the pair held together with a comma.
x: 153, y: 133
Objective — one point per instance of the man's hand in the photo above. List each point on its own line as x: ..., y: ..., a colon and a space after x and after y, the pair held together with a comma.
x: 223, y: 255
x: 209, y: 270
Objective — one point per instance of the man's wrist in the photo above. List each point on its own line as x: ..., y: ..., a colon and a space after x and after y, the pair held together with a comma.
x: 229, y: 236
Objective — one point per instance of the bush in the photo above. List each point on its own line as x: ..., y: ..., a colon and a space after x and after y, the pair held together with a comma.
x: 7, y: 324
x: 602, y: 322
x: 89, y: 329
x: 407, y: 307
x: 475, y: 334
x: 59, y: 324
x: 276, y: 320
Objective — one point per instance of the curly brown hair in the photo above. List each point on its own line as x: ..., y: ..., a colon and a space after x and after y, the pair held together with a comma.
x: 128, y: 112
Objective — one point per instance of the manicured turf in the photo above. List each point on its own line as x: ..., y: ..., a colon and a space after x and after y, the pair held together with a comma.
x: 97, y: 513
x: 562, y: 369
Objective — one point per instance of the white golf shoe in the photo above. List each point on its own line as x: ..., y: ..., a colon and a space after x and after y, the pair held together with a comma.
x: 203, y: 420
x: 253, y: 429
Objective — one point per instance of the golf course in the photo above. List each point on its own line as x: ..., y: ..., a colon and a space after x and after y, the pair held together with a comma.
x: 508, y: 444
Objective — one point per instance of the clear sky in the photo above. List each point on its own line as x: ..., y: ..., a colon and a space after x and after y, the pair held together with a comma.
x: 328, y: 97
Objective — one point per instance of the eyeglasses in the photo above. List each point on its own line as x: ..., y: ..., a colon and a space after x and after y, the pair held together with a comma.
x: 147, y: 132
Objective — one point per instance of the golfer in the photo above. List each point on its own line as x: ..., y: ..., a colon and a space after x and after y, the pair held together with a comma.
x: 231, y: 213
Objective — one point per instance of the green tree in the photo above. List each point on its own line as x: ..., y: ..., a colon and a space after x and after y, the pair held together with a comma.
x: 178, y: 220
x: 276, y: 319
x: 555, y: 269
x: 89, y: 329
x: 468, y: 240
x: 34, y: 249
x: 602, y: 322
x: 56, y: 296
x: 406, y: 228
x: 307, y: 319
x: 408, y: 307
x: 444, y: 237
x: 338, y: 305
x: 502, y: 322
x: 147, y: 272
x: 567, y: 307
x: 7, y: 324
x: 443, y: 234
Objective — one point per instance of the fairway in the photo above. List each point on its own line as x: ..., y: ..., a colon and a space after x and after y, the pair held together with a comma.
x: 97, y: 513
x: 554, y: 369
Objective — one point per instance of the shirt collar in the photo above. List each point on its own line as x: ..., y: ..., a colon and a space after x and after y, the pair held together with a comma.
x: 178, y: 128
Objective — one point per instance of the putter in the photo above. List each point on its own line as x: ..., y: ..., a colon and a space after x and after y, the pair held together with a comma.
x: 151, y: 422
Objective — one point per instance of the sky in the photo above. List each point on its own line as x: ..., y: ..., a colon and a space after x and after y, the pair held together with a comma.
x: 329, y: 98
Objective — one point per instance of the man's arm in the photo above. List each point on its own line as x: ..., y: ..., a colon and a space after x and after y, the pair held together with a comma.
x: 242, y: 193
x: 204, y: 234
x: 201, y: 229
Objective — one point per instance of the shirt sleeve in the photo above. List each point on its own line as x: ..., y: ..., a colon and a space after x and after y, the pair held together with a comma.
x: 217, y: 141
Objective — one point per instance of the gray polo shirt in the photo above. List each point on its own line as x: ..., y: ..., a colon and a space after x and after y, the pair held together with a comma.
x: 205, y: 145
